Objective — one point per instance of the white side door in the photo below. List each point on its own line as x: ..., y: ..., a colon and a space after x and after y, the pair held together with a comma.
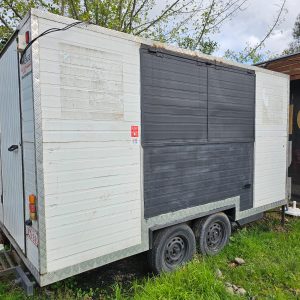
x: 11, y: 151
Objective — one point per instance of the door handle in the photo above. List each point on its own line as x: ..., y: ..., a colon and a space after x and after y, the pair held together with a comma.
x: 13, y: 148
x: 247, y: 186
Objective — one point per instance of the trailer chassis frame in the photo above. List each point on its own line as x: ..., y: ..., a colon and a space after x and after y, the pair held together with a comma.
x: 9, y: 266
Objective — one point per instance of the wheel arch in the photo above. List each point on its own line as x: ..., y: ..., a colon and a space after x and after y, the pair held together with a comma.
x: 229, y: 210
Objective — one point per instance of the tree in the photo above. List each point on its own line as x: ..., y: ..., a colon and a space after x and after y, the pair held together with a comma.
x: 11, y: 12
x: 187, y: 23
x: 294, y: 46
x: 253, y: 54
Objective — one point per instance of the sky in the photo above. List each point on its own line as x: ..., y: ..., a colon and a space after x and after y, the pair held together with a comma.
x: 251, y: 25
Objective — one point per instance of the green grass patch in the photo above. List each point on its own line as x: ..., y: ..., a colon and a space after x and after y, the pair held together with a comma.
x: 8, y: 291
x: 271, y: 271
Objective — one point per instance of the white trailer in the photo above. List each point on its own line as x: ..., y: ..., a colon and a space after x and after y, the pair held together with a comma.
x: 112, y: 145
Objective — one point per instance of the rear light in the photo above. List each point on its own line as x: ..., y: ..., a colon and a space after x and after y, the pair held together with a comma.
x: 23, y: 40
x: 32, y: 207
x: 27, y: 37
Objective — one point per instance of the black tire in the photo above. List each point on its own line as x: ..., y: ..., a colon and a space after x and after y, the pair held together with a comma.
x: 212, y: 233
x: 172, y: 247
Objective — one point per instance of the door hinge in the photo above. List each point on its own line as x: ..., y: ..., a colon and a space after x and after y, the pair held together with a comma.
x: 2, y: 198
x: 247, y: 186
x: 155, y: 52
x: 200, y: 63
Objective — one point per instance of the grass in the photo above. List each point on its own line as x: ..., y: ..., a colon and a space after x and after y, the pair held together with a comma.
x: 271, y: 271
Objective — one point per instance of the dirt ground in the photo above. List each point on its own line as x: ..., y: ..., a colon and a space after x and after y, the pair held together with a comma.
x: 123, y: 271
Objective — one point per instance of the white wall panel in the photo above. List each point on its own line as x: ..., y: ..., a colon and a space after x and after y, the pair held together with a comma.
x: 272, y: 100
x: 90, y: 98
x: 28, y: 152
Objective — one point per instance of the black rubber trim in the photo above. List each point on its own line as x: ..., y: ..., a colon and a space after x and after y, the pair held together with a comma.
x: 250, y: 219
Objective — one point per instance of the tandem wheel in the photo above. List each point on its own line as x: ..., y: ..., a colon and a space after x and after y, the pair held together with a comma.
x: 212, y: 233
x: 176, y: 245
x: 172, y: 247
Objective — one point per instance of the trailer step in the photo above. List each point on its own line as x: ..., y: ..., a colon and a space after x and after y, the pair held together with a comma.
x: 9, y: 265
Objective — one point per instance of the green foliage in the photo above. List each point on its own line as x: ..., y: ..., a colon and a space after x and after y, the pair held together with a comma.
x: 188, y: 23
x: 294, y: 46
x: 11, y: 12
x: 253, y: 54
x: 272, y: 269
x: 248, y: 55
x: 296, y: 31
x: 9, y: 292
x: 190, y: 282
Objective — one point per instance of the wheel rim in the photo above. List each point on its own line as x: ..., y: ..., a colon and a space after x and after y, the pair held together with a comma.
x: 215, y: 236
x: 175, y: 251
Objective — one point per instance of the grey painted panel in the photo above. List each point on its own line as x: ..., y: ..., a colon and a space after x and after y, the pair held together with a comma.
x: 178, y: 177
x: 231, y: 105
x: 197, y: 133
x: 174, y: 99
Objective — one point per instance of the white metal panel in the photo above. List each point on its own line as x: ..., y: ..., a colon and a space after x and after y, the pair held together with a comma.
x: 13, y: 201
x: 271, y: 137
x: 29, y: 160
x: 90, y: 98
x: 28, y: 147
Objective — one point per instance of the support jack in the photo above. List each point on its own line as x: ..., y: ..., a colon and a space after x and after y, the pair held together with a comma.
x: 9, y: 266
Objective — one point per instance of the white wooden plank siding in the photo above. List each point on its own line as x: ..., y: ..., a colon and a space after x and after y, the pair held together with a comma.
x: 270, y: 137
x: 90, y: 97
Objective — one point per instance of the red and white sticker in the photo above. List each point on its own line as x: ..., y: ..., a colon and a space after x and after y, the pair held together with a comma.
x: 32, y: 235
x: 134, y: 131
x: 26, y: 66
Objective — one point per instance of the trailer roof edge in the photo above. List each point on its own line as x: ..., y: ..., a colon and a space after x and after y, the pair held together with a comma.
x: 159, y: 45
x: 129, y: 37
